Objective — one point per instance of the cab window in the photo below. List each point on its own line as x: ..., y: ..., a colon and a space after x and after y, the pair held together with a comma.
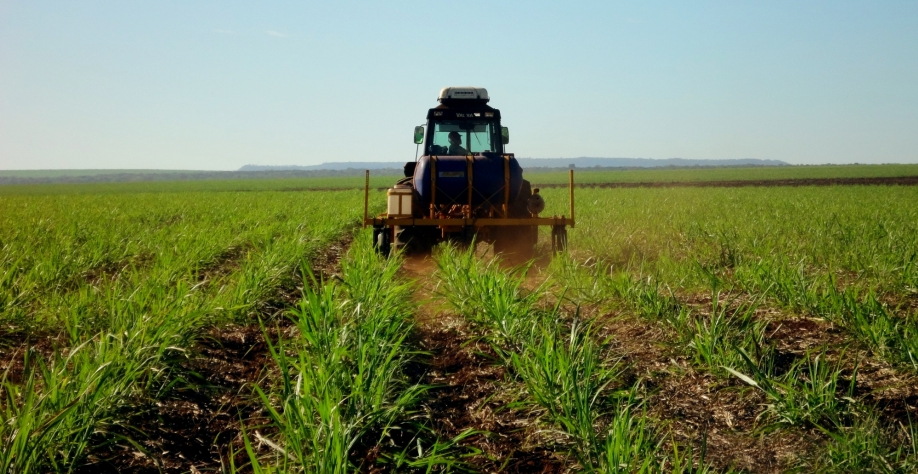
x: 475, y: 137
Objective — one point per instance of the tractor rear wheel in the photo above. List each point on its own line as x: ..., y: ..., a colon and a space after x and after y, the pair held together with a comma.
x: 382, y: 240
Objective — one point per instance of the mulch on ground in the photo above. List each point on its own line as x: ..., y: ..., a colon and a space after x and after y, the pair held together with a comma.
x: 720, y: 415
x: 196, y: 426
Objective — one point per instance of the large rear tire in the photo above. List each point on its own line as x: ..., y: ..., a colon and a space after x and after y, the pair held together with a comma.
x: 517, y: 243
x: 382, y: 240
x: 518, y: 207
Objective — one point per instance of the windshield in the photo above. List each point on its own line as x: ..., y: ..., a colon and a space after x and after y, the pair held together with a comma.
x: 461, y: 137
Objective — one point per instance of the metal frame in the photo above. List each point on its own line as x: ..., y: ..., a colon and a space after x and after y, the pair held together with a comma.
x: 478, y: 222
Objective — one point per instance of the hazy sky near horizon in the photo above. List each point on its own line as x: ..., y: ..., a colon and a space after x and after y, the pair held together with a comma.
x: 216, y: 85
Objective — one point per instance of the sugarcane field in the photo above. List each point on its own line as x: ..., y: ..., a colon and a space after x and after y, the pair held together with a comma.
x: 685, y: 327
x: 625, y: 238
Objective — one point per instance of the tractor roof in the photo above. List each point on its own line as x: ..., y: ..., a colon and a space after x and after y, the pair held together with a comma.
x: 463, y: 103
x: 463, y: 93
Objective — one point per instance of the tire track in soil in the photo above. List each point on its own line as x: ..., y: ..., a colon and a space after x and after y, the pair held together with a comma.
x: 472, y: 391
x: 194, y: 427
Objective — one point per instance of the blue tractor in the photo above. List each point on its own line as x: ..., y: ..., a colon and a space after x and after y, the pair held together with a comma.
x: 465, y: 185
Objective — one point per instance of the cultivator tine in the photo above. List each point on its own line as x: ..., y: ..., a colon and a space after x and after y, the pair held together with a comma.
x: 558, y: 238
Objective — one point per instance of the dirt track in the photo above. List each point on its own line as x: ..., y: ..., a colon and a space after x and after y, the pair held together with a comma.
x: 887, y: 181
x: 471, y: 391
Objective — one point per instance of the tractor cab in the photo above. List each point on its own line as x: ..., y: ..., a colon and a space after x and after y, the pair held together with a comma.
x: 463, y: 124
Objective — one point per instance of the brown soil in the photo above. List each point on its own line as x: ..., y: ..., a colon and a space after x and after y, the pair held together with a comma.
x: 892, y: 390
x: 902, y: 305
x: 721, y: 415
x: 223, y: 263
x: 110, y: 271
x: 196, y: 425
x: 13, y: 346
x: 702, y: 411
x: 472, y: 392
x: 471, y: 388
x: 886, y: 181
x: 327, y: 263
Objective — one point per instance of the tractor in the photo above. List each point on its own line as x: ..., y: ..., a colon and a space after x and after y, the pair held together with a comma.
x: 464, y: 186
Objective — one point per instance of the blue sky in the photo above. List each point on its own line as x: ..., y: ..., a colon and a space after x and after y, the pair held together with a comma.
x: 216, y: 85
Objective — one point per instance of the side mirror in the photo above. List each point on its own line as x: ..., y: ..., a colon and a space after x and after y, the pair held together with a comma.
x: 418, y: 135
x: 504, y: 135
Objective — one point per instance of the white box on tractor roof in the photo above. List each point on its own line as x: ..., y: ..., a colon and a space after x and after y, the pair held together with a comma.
x: 475, y: 93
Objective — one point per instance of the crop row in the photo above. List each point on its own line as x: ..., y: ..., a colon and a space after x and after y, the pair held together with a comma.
x: 341, y: 400
x: 845, y: 254
x: 732, y: 338
x: 111, y: 292
x: 59, y: 255
x: 865, y: 237
x: 575, y: 382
